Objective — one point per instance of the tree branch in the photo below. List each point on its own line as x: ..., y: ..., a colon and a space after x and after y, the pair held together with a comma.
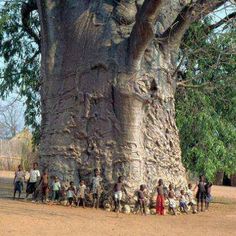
x: 181, y: 84
x: 222, y: 21
x: 143, y: 32
x: 26, y: 9
x: 186, y: 17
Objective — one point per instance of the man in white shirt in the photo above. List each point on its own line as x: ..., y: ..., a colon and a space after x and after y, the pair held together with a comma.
x: 32, y: 182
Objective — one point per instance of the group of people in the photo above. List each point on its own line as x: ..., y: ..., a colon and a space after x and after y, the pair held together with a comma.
x: 184, y: 199
x: 53, y: 191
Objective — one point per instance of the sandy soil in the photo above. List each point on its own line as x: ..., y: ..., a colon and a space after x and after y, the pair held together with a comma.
x: 25, y: 218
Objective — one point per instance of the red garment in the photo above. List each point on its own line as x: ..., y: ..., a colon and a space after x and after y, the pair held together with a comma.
x: 160, y: 205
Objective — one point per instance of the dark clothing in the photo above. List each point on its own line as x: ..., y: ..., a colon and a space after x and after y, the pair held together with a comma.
x: 31, y: 187
x: 201, y: 192
x: 200, y: 196
x: 56, y: 195
x: 70, y: 200
x: 201, y: 187
x: 18, y: 186
x: 96, y: 196
x: 81, y: 200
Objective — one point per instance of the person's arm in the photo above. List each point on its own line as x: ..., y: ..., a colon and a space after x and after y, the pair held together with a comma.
x: 196, y: 185
x: 38, y: 176
x: 40, y: 181
x: 91, y: 184
x: 14, y: 179
x: 24, y: 176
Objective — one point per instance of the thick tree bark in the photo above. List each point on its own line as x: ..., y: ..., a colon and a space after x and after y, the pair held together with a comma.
x: 99, y: 112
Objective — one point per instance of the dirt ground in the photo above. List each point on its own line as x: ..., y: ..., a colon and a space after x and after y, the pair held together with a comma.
x: 26, y: 218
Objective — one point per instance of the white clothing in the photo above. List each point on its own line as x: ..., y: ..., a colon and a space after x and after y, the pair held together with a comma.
x: 118, y: 195
x: 34, y: 175
x: 172, y: 203
x: 20, y: 175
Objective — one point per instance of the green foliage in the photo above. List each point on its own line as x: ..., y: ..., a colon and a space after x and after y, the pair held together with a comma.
x: 21, y: 58
x: 206, y: 103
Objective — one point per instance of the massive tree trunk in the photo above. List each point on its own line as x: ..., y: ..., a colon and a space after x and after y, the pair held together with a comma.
x: 108, y: 89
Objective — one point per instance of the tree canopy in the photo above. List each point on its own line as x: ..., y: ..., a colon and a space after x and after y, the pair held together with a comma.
x: 206, y: 99
x: 21, y: 59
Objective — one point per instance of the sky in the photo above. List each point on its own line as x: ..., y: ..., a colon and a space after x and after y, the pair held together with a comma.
x: 221, y: 13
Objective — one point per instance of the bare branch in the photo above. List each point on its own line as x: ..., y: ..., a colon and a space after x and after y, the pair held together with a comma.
x: 222, y: 21
x: 26, y: 9
x: 186, y: 17
x: 181, y: 84
x: 143, y: 32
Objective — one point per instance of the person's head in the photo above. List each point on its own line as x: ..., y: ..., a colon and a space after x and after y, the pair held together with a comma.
x: 142, y: 187
x: 20, y: 167
x: 120, y: 179
x: 81, y: 182
x: 96, y: 172
x: 35, y: 165
x: 160, y: 182
x: 71, y: 183
x: 171, y: 187
x: 56, y: 179
x: 182, y: 192
x: 45, y: 172
x: 202, y: 178
x: 190, y: 186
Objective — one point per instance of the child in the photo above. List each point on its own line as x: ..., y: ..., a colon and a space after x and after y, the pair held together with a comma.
x: 81, y: 193
x: 183, y: 202
x: 171, y: 189
x: 45, y: 186
x: 171, y: 199
x: 208, y: 195
x: 118, y: 189
x: 71, y: 193
x: 191, y: 201
x: 201, y: 192
x: 160, y: 198
x: 33, y: 180
x: 56, y: 187
x: 18, y: 181
x: 172, y: 202
x: 63, y: 196
x: 96, y: 188
x: 142, y: 199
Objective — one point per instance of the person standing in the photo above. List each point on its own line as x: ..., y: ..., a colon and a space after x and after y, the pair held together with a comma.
x: 18, y: 181
x: 201, y: 192
x: 96, y: 188
x: 160, y: 198
x: 33, y: 180
x: 81, y: 193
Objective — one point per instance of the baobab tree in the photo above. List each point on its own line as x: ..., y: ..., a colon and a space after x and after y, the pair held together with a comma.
x: 108, y: 82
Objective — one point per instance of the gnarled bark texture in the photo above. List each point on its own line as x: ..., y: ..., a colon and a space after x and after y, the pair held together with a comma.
x: 108, y: 90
